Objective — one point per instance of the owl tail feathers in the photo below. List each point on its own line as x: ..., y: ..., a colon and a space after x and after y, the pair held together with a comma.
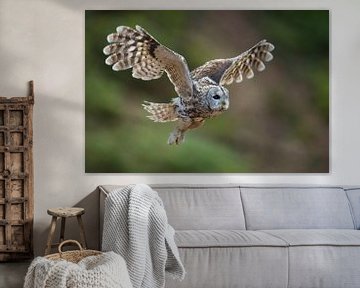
x: 160, y: 112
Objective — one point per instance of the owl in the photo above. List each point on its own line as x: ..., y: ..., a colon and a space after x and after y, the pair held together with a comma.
x: 201, y: 92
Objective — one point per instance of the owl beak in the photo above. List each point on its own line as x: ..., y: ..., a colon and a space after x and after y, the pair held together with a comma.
x: 225, y: 105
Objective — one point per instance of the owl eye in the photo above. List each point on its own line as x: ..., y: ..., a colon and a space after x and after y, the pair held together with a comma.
x: 216, y: 97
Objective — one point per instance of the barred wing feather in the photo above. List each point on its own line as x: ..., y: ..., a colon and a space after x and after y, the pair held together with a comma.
x: 244, y: 64
x: 137, y: 49
x: 226, y: 71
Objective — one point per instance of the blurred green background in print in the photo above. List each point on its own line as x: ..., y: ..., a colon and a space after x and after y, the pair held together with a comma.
x: 278, y: 122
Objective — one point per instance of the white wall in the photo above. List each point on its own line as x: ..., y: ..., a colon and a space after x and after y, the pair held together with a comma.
x: 43, y: 40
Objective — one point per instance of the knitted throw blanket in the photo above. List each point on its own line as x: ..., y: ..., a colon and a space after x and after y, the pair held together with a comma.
x: 102, y: 271
x: 136, y: 227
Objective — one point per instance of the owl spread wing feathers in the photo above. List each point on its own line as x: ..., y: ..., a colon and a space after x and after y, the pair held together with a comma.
x: 226, y: 71
x: 137, y: 49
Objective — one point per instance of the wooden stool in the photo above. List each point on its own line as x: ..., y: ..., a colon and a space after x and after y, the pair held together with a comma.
x: 64, y: 213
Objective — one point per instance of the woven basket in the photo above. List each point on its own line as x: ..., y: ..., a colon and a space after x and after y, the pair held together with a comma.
x: 72, y: 256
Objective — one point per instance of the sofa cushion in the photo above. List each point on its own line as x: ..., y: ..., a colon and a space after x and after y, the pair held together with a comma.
x: 296, y: 208
x: 226, y: 238
x: 324, y: 266
x: 220, y: 267
x: 322, y: 258
x: 317, y: 237
x: 354, y: 198
x: 199, y: 207
x: 191, y: 207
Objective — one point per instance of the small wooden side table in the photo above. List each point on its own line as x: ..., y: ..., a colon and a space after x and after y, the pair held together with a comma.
x: 64, y: 213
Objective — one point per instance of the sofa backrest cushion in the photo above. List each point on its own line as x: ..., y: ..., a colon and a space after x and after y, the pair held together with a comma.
x: 296, y: 208
x: 202, y: 207
x: 354, y: 198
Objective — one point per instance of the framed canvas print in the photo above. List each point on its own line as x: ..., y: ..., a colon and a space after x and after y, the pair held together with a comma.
x: 207, y: 91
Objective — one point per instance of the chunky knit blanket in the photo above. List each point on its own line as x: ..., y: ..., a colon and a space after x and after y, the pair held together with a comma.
x: 102, y: 271
x: 136, y: 227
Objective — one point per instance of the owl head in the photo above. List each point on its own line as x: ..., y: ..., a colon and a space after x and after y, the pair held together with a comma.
x: 217, y: 98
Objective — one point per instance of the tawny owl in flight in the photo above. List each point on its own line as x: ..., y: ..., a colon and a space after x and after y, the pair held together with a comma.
x: 201, y: 93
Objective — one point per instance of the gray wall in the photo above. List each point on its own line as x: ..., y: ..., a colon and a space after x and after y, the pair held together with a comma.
x: 44, y: 41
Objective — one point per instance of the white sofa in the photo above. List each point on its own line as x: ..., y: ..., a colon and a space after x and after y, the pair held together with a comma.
x: 263, y: 237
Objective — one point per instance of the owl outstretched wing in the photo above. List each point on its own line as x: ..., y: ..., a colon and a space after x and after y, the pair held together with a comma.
x: 137, y: 49
x: 226, y: 71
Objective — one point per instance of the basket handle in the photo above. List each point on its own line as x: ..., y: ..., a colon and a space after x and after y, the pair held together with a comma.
x: 69, y: 241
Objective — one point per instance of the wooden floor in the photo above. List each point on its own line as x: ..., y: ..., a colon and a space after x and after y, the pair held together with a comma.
x: 12, y: 274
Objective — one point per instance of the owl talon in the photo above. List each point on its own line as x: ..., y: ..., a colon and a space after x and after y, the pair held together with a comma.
x: 176, y: 138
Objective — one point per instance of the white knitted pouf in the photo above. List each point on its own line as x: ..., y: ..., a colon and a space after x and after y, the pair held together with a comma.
x: 107, y: 270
